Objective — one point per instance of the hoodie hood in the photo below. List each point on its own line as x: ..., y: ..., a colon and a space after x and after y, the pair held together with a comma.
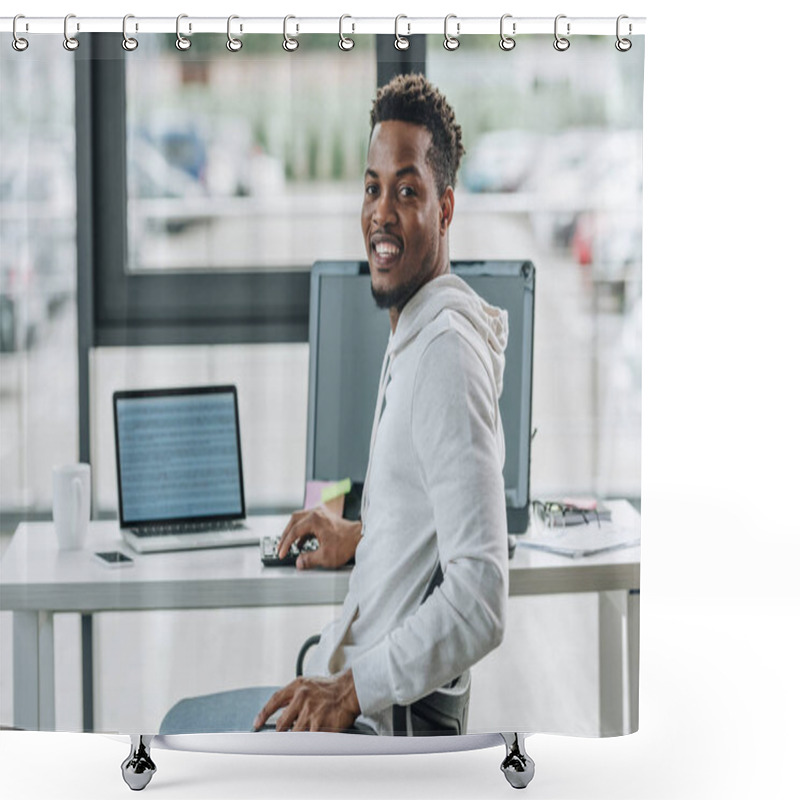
x: 451, y: 293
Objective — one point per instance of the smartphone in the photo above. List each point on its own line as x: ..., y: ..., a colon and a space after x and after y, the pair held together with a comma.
x: 113, y: 558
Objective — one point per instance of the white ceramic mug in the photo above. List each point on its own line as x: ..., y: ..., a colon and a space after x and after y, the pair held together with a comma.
x: 72, y: 487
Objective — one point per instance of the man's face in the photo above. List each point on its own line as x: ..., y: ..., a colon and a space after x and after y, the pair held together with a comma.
x: 403, y: 219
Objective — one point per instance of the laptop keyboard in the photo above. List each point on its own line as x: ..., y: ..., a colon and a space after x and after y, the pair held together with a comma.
x: 187, y: 527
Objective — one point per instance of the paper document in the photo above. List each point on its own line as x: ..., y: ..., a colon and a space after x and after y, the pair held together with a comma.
x: 588, y: 539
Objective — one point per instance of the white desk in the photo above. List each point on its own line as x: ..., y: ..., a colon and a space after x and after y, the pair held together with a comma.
x: 37, y: 580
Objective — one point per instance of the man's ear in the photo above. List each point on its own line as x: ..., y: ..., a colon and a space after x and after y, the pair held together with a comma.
x: 446, y: 208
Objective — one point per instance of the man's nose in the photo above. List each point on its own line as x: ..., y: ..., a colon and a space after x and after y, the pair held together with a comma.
x: 384, y: 211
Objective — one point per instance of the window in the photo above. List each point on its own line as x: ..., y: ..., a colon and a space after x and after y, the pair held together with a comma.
x: 38, y: 344
x: 552, y: 172
x: 245, y: 160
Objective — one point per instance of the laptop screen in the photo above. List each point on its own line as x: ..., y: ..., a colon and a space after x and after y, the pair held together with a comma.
x: 178, y: 455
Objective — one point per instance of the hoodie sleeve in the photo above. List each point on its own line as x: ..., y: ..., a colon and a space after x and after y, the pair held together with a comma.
x: 458, y: 442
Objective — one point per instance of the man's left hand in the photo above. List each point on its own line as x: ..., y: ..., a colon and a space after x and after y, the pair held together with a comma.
x: 314, y: 704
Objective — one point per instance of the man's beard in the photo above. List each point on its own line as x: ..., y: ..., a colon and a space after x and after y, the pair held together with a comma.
x: 397, y: 297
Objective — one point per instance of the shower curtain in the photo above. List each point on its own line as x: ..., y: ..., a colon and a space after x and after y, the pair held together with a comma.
x: 162, y: 210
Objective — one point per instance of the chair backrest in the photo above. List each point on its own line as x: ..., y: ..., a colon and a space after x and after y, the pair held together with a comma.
x: 441, y: 713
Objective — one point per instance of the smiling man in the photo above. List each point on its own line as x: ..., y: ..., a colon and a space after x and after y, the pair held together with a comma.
x: 428, y: 593
x: 433, y: 508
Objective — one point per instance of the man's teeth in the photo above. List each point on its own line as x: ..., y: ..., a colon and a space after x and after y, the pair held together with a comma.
x: 386, y: 249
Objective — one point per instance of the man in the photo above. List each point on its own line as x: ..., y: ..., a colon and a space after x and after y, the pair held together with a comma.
x: 434, y: 492
x: 433, y: 502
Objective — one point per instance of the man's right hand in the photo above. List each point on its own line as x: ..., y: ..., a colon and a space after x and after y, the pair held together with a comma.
x: 337, y: 537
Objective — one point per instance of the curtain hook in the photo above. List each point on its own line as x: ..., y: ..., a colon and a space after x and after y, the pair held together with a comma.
x: 128, y: 42
x: 623, y: 45
x: 18, y: 43
x: 290, y: 43
x: 451, y: 42
x: 70, y: 42
x: 561, y: 43
x: 506, y: 42
x: 401, y: 42
x: 233, y: 44
x: 181, y: 42
x: 344, y: 42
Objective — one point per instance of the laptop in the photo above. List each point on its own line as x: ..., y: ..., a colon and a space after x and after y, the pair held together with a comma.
x: 179, y: 470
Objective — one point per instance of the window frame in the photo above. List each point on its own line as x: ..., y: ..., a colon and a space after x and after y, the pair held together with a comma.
x: 182, y: 307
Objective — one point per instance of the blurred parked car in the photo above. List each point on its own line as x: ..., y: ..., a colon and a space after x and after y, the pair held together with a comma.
x: 588, y: 188
x: 500, y: 161
x: 152, y: 177
x: 23, y: 305
x: 37, y: 239
x: 181, y: 145
x: 215, y: 151
x: 609, y: 246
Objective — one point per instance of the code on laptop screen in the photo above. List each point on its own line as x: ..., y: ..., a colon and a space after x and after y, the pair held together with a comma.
x: 178, y: 457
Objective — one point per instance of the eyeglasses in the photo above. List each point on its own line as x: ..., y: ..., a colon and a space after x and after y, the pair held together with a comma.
x: 561, y: 515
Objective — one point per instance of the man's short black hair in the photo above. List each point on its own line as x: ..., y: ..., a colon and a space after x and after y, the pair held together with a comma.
x: 412, y: 98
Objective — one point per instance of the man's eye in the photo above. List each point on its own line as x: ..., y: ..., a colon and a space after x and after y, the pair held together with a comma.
x: 371, y: 189
x: 406, y: 191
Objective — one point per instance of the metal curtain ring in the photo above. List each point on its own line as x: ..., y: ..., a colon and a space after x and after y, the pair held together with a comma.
x: 128, y: 42
x: 451, y: 42
x: 181, y: 42
x: 70, y: 42
x: 18, y: 43
x: 623, y: 45
x: 344, y: 42
x: 401, y: 42
x: 506, y: 42
x: 290, y: 44
x: 561, y: 44
x: 233, y: 44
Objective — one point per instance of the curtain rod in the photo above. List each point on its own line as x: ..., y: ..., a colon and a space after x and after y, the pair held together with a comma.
x: 348, y: 25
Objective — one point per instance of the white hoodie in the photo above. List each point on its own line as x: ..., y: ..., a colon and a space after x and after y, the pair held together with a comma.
x: 433, y: 494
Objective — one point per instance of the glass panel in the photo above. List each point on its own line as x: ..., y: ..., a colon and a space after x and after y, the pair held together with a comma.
x: 38, y: 339
x: 247, y: 159
x: 553, y: 172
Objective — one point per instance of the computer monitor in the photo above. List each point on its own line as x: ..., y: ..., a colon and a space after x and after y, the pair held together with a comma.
x: 348, y: 335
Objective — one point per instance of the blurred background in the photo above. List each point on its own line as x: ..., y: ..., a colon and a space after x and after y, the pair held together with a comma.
x: 254, y: 161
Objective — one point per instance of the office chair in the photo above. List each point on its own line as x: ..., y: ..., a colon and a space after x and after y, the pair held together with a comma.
x: 441, y: 713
